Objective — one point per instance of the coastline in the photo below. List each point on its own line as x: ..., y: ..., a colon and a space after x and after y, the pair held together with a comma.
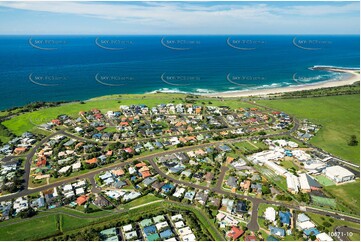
x: 355, y: 77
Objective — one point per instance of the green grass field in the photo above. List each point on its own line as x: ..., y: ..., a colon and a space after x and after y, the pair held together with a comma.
x: 324, y: 201
x: 288, y: 164
x: 30, y: 229
x: 348, y: 194
x: 338, y: 115
x: 355, y: 237
x: 140, y: 201
x: 324, y: 181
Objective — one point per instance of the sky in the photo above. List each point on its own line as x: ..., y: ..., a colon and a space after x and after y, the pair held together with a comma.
x: 153, y: 18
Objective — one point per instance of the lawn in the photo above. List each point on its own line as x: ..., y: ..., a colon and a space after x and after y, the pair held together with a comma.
x: 319, y: 220
x: 355, y: 237
x: 245, y: 146
x: 31, y: 229
x: 141, y: 201
x: 348, y: 194
x: 338, y: 115
x: 288, y: 163
x: 324, y: 181
x: 324, y: 201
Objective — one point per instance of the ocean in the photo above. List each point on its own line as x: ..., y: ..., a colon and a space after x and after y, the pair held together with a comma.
x: 67, y: 68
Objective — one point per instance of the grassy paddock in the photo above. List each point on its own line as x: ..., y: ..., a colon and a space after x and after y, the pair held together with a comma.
x: 348, y: 194
x: 324, y: 201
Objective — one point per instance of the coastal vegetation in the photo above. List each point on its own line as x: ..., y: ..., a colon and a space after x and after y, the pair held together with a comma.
x: 321, y: 92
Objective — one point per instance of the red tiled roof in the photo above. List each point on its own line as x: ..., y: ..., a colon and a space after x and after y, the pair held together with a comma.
x: 141, y: 164
x: 82, y: 199
x: 56, y: 121
x: 119, y: 172
x: 128, y: 150
x: 235, y: 233
x: 92, y: 161
x: 41, y: 161
x: 100, y: 128
x: 146, y: 174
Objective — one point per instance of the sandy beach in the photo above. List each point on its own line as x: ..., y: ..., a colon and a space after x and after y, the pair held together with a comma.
x: 355, y: 76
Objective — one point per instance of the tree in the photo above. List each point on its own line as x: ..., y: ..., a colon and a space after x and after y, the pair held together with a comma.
x: 265, y: 190
x: 27, y: 213
x: 353, y: 141
x: 326, y: 224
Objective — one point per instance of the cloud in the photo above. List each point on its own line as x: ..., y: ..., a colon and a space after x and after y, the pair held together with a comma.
x: 197, y: 16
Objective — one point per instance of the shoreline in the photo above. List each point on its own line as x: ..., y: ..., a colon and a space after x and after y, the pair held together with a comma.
x: 355, y: 77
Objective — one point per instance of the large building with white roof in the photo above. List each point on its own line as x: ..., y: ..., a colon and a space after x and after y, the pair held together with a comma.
x: 339, y: 174
x: 304, y: 185
x: 293, y: 183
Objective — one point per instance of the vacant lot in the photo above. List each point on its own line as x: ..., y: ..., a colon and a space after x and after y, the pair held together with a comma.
x: 348, y: 194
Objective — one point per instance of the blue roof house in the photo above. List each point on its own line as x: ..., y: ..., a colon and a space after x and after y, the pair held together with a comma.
x: 285, y: 217
x: 166, y: 234
x: 150, y: 230
x: 167, y: 188
x: 311, y: 231
x: 277, y: 231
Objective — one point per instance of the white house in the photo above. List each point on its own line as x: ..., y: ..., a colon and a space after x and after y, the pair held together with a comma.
x: 323, y: 237
x: 270, y: 214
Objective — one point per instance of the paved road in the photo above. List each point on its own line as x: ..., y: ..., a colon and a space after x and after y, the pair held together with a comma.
x: 343, y: 232
x: 253, y: 223
x: 224, y: 169
x: 31, y: 154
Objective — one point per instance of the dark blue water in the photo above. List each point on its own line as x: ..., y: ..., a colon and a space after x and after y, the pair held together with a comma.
x: 54, y: 68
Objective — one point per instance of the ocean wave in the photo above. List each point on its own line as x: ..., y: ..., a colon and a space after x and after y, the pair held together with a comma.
x: 336, y: 67
x: 167, y: 90
x: 200, y: 90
